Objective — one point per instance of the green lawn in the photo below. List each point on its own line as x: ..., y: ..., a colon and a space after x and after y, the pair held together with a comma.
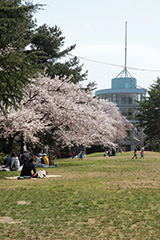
x: 95, y: 198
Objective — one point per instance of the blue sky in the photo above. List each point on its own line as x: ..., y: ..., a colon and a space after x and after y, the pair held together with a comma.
x: 97, y: 27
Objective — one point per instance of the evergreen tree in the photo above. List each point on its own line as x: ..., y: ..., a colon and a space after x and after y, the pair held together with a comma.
x: 25, y: 50
x: 16, y: 68
x: 50, y: 41
x: 149, y: 115
x: 16, y: 23
x: 70, y: 69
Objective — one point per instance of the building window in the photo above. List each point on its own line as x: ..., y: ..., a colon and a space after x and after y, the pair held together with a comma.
x: 127, y: 85
x: 114, y: 97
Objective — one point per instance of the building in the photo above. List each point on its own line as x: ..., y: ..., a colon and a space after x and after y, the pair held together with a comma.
x: 125, y: 93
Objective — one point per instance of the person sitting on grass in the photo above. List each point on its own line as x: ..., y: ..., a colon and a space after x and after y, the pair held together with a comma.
x: 52, y: 163
x: 73, y: 154
x: 109, y: 153
x: 9, y: 161
x: 15, y: 164
x: 81, y: 155
x: 29, y: 169
x: 39, y: 162
x: 45, y: 158
x: 24, y: 157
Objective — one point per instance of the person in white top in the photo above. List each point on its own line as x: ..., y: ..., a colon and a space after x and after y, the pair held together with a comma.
x: 15, y: 164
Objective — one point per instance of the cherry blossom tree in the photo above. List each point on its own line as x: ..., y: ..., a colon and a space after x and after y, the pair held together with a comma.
x: 68, y: 114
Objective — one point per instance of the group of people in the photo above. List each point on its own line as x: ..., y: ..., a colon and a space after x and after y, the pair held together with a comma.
x: 26, y: 164
x: 110, y: 152
x: 135, y: 152
x: 80, y: 156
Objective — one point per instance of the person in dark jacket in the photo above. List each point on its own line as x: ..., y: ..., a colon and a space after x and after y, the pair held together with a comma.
x: 29, y: 169
x: 25, y: 156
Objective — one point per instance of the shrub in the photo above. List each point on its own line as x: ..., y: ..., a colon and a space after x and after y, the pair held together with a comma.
x: 2, y: 158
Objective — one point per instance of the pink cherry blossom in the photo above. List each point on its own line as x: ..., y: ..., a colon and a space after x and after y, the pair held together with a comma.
x: 71, y: 115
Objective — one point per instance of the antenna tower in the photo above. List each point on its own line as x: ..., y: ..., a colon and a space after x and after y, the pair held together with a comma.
x: 125, y: 72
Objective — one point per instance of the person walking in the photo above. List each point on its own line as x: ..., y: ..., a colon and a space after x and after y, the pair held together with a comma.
x: 142, y: 153
x: 135, y: 153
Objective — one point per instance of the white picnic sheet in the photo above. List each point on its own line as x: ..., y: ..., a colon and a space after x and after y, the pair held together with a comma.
x: 47, y: 176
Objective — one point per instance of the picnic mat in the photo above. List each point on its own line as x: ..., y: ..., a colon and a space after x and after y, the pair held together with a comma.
x: 27, y: 177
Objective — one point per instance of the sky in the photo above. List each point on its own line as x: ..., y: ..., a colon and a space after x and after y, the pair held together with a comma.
x: 97, y: 27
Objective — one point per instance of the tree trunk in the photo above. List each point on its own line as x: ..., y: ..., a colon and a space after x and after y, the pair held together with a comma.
x: 10, y: 144
x: 3, y: 145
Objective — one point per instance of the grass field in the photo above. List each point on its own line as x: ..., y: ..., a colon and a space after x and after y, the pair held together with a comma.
x: 95, y: 198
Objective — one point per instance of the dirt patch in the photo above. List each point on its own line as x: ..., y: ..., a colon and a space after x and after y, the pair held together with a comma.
x: 91, y: 221
x: 8, y: 220
x: 23, y: 203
